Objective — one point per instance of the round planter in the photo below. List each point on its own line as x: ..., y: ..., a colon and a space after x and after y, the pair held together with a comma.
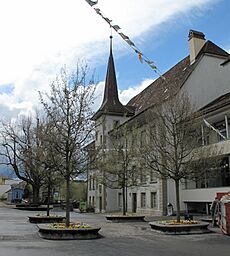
x: 46, y: 219
x: 125, y: 218
x: 47, y: 232
x: 209, y: 220
x: 182, y: 229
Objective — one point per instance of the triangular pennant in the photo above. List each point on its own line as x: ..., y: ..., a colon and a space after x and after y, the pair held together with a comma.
x: 136, y: 51
x: 130, y: 42
x: 123, y: 36
x: 149, y: 62
x: 126, y: 38
x: 152, y: 66
x: 98, y: 11
x: 107, y: 20
x: 140, y: 56
x: 116, y: 27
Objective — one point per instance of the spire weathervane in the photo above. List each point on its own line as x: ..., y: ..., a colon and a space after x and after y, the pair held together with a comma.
x: 111, y: 43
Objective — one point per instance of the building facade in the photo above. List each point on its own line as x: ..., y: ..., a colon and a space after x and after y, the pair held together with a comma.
x: 205, y: 76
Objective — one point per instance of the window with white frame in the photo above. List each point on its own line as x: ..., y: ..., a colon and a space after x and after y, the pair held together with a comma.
x: 120, y: 200
x: 153, y: 199
x: 100, y: 188
x: 143, y: 200
x: 93, y: 183
x: 93, y: 201
x: 90, y: 182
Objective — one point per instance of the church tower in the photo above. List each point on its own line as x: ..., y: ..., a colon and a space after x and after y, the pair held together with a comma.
x: 110, y: 114
x: 111, y: 104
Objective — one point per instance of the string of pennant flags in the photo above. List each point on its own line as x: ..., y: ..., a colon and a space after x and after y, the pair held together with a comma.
x: 117, y: 28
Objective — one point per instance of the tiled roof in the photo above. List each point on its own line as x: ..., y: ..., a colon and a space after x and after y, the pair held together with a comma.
x: 211, y: 48
x: 160, y: 89
x: 20, y: 185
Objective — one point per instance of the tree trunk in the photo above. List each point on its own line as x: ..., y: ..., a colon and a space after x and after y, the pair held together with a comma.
x: 48, y: 198
x: 126, y: 187
x: 177, y: 187
x: 35, y: 194
x: 126, y: 198
x: 124, y: 201
x: 67, y: 221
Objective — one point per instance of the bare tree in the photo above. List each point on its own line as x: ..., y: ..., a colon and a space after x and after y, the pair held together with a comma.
x: 117, y: 163
x: 172, y: 151
x: 68, y: 107
x: 21, y: 149
x: 48, y: 159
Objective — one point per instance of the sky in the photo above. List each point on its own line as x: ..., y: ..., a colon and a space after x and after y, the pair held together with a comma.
x: 38, y: 37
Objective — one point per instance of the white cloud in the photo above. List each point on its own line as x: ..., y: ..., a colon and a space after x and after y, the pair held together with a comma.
x: 99, y: 92
x: 129, y: 93
x: 38, y: 37
x: 124, y: 95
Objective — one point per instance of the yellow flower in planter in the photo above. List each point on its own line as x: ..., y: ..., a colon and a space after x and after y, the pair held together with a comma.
x: 175, y: 222
x: 71, y: 226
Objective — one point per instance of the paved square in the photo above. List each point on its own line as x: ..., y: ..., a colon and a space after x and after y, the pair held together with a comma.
x: 18, y: 237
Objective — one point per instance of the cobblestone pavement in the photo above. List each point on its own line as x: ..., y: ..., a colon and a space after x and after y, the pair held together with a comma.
x: 20, y: 238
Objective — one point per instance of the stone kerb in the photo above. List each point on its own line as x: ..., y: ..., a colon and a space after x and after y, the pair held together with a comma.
x: 46, y: 232
x: 181, y: 229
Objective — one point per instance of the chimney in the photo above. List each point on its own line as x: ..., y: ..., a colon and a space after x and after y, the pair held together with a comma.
x: 196, y: 42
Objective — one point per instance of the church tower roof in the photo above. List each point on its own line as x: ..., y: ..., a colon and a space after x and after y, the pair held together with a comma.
x: 111, y: 104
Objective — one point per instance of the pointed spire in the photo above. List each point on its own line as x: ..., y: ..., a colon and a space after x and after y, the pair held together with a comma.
x: 110, y: 92
x: 111, y: 103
